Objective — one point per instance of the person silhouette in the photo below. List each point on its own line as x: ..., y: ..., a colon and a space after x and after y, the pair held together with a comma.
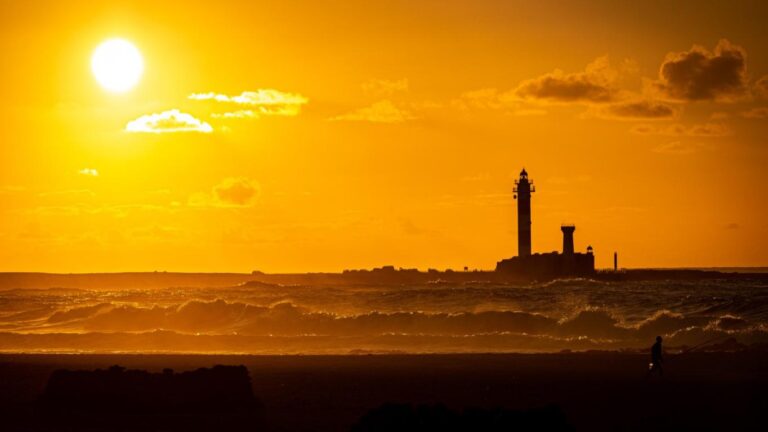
x: 656, y: 358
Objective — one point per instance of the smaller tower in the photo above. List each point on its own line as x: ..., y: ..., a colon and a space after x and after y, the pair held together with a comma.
x: 615, y: 261
x: 568, y: 230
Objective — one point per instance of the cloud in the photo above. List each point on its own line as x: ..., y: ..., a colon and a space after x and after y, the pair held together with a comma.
x: 677, y: 147
x: 756, y: 113
x: 761, y: 87
x: 239, y: 114
x: 231, y: 192
x: 477, y: 200
x: 479, y: 177
x: 237, y: 191
x: 594, y: 85
x: 492, y: 99
x: 262, y: 101
x: 637, y: 110
x: 69, y: 193
x: 380, y: 112
x: 569, y: 180
x: 85, y: 208
x: 7, y: 190
x: 156, y: 233
x: 379, y: 87
x: 528, y: 112
x: 487, y: 98
x: 92, y: 172
x: 167, y: 122
x: 697, y: 130
x: 698, y: 74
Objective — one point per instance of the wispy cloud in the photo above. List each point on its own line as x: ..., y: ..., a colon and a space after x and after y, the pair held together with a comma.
x: 86, y: 208
x: 11, y: 189
x: 156, y: 233
x: 380, y: 87
x: 698, y: 130
x: 558, y: 180
x: 239, y: 114
x: 91, y: 172
x: 491, y: 99
x: 483, y: 99
x: 168, y: 122
x: 680, y: 148
x: 380, y: 112
x: 761, y: 87
x: 70, y: 193
x: 262, y: 101
x: 477, y: 200
x: 756, y: 113
x: 479, y: 177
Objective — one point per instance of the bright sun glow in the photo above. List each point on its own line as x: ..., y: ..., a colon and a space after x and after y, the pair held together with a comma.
x: 117, y: 65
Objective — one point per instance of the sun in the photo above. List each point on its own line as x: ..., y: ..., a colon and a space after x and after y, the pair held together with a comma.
x: 117, y: 65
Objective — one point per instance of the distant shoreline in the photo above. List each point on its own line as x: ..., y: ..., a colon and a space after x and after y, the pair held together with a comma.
x: 382, y: 275
x: 746, y: 269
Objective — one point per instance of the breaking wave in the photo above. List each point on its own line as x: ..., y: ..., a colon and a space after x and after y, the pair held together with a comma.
x: 572, y: 314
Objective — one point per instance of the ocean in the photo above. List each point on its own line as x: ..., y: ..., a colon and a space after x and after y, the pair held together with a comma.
x: 439, y: 317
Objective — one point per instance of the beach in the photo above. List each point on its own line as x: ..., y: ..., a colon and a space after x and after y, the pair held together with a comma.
x: 594, y: 390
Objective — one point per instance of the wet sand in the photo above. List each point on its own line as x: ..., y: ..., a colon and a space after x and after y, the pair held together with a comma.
x: 596, y: 391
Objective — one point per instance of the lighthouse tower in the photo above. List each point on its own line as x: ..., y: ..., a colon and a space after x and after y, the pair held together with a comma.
x: 523, y: 189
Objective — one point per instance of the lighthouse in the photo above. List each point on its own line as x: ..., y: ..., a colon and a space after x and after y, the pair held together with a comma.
x: 542, y: 265
x: 523, y: 190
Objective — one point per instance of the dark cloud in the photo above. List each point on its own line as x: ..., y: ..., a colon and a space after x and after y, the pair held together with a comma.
x: 699, y: 74
x: 594, y: 85
x: 239, y: 191
x: 642, y: 109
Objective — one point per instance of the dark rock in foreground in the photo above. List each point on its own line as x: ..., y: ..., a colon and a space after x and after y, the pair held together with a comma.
x: 116, y: 398
x: 407, y: 417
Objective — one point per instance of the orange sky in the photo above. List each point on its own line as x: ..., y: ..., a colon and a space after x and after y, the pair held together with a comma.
x: 318, y: 136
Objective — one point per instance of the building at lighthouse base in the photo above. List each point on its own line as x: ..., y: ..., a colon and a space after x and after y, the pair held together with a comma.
x: 549, y: 265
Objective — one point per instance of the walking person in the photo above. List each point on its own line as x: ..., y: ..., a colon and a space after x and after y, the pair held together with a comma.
x: 656, y: 358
